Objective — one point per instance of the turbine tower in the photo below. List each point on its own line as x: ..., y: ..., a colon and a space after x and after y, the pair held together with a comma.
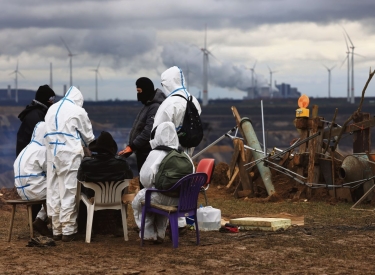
x: 205, y: 72
x: 249, y: 95
x: 70, y: 54
x: 271, y: 72
x: 96, y: 81
x: 206, y: 53
x: 329, y: 79
x: 16, y: 72
x: 352, y: 88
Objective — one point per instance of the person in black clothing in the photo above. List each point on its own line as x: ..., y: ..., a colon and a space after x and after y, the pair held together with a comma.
x: 140, y: 134
x: 32, y: 114
x: 102, y: 165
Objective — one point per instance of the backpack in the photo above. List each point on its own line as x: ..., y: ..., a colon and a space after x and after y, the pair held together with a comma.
x: 191, y: 132
x: 173, y: 167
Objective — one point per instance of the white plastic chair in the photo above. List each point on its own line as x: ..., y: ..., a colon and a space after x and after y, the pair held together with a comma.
x: 107, y: 196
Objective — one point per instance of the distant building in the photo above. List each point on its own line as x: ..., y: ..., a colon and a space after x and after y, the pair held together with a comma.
x: 286, y: 91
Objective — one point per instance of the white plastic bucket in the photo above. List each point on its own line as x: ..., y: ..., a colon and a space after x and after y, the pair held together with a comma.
x: 209, y: 218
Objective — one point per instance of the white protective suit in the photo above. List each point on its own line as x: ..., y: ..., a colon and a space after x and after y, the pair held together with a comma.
x: 30, y: 169
x: 173, y: 107
x: 155, y: 225
x: 68, y: 129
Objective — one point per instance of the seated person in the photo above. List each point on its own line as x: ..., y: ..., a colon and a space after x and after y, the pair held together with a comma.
x: 30, y: 169
x: 155, y: 225
x: 103, y: 165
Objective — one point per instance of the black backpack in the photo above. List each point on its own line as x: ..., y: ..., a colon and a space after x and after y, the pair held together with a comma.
x: 173, y: 167
x: 191, y: 132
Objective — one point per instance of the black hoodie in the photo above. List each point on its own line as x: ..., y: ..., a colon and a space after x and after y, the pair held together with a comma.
x: 30, y: 116
x: 139, y: 136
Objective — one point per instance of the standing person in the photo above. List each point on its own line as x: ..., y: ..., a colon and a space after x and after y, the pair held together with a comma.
x: 32, y: 114
x: 139, y: 137
x: 68, y: 128
x: 173, y: 109
x: 30, y: 169
x: 155, y: 225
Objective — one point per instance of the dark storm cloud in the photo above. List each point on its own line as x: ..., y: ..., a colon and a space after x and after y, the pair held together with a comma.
x: 191, y: 14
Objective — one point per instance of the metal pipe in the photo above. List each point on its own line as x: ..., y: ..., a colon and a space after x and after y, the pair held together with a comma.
x: 253, y: 142
x: 213, y: 143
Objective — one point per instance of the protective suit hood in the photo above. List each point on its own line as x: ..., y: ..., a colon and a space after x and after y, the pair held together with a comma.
x: 173, y: 80
x: 39, y: 132
x: 74, y: 95
x: 165, y: 135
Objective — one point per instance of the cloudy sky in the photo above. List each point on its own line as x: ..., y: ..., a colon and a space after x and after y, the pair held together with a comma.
x: 130, y: 39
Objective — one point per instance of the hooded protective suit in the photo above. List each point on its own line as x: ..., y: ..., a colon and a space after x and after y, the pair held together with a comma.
x: 155, y: 225
x: 30, y: 169
x: 173, y: 107
x: 68, y: 129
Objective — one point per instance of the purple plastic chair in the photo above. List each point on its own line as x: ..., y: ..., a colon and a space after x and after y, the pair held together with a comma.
x: 189, y: 187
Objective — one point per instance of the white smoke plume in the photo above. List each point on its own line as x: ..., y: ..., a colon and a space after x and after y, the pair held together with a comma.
x: 220, y: 74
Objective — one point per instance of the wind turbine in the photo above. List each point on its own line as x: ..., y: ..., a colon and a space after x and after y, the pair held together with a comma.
x: 252, y: 80
x: 348, y: 61
x: 206, y: 53
x: 329, y: 79
x: 70, y: 54
x: 96, y: 80
x: 271, y: 72
x: 16, y: 72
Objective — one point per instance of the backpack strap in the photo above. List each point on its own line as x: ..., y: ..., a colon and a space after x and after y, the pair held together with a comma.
x: 190, y: 97
x: 165, y: 148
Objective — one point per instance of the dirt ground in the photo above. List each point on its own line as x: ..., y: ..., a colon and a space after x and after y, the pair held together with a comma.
x: 308, y: 247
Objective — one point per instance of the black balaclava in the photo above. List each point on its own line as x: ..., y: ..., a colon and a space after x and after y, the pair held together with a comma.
x: 148, y: 90
x: 45, y: 94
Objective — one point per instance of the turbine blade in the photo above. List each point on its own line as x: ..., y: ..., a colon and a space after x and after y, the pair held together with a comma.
x: 348, y: 37
x: 342, y: 63
x: 332, y: 68
x: 21, y: 74
x: 98, y: 64
x: 326, y: 67
x: 66, y: 46
x: 255, y: 64
x: 346, y: 42
x: 209, y: 53
x: 359, y: 55
x: 269, y: 69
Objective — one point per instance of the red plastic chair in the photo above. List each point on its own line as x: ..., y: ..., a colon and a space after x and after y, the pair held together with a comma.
x: 206, y: 166
x: 189, y: 187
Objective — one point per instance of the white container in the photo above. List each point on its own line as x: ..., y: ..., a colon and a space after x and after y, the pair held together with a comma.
x: 209, y: 218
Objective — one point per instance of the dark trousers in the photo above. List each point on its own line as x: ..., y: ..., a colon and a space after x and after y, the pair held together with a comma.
x: 35, y: 208
x: 141, y: 158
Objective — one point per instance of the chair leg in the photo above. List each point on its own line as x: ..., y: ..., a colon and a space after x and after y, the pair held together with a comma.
x: 90, y: 217
x: 30, y: 214
x: 196, y: 228
x: 143, y: 224
x: 173, y: 221
x: 11, y: 222
x: 124, y: 222
x: 205, y: 196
